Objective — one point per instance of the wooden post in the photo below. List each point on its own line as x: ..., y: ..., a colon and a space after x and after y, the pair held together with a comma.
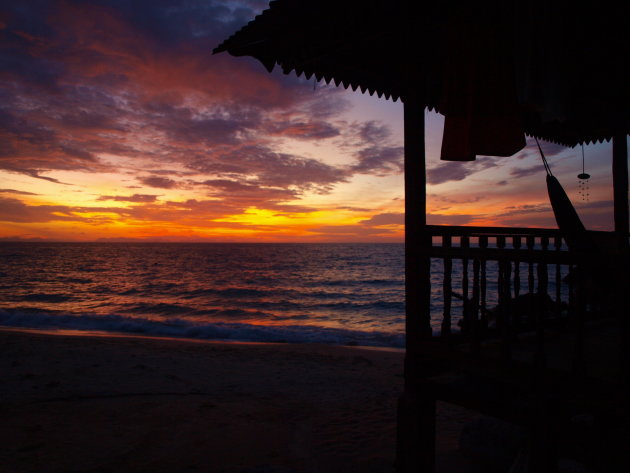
x: 416, y: 408
x: 620, y: 183
x: 620, y: 193
x: 417, y: 240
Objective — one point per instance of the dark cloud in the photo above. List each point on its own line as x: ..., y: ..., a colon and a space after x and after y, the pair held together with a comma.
x: 374, y: 132
x: 596, y: 204
x: 451, y: 219
x: 247, y: 194
x: 524, y: 172
x: 304, y: 130
x: 386, y: 225
x: 158, y: 182
x: 195, y: 212
x: 221, y: 127
x: 380, y: 160
x: 449, y: 171
x: 86, y: 120
x: 458, y: 171
x: 233, y: 188
x: 351, y: 231
x: 271, y: 169
x: 283, y: 170
x: 326, y: 104
x: 14, y: 191
x: 138, y: 198
x: 353, y: 209
x: 513, y: 210
x: 385, y: 219
x: 13, y: 210
x: 595, y: 215
x: 34, y: 174
x: 372, y: 146
x: 289, y: 210
x: 454, y: 200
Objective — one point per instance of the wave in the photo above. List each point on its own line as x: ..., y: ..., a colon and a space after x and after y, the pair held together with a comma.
x: 233, y: 292
x: 43, y: 297
x: 209, y: 331
x: 359, y: 282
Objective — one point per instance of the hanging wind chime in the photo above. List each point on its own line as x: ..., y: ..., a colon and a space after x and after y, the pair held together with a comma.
x: 583, y: 180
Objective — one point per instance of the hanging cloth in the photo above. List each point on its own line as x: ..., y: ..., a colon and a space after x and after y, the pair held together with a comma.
x: 479, y: 100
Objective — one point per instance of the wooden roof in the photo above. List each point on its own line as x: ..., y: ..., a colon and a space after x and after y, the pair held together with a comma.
x: 560, y: 71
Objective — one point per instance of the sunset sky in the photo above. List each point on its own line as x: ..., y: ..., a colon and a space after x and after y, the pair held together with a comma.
x: 117, y: 122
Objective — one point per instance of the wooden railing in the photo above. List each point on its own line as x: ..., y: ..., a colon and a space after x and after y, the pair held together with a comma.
x: 508, y: 282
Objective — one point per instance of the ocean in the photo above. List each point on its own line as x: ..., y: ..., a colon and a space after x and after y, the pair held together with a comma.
x: 349, y: 294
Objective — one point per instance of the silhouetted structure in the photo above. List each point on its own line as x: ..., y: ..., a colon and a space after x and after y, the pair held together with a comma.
x: 497, y: 71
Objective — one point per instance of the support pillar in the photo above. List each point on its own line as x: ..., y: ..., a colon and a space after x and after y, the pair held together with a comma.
x: 416, y: 409
x: 622, y: 281
x: 620, y: 183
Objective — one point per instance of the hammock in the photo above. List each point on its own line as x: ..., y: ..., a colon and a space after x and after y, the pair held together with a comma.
x: 567, y: 219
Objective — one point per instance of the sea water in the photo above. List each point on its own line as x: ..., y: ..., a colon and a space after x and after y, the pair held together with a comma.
x: 323, y: 293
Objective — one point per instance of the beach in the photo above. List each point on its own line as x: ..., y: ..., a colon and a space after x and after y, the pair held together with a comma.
x: 89, y: 402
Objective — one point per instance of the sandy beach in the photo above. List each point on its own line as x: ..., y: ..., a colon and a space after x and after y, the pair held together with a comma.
x: 88, y: 403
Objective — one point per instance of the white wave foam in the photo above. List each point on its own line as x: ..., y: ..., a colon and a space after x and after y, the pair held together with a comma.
x: 214, y: 331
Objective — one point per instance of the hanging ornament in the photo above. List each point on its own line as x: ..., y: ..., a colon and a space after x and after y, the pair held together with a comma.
x: 583, y: 180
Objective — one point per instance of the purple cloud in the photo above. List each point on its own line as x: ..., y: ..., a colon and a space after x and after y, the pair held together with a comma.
x: 524, y: 172
x: 159, y: 182
x: 14, y: 191
x: 304, y: 130
x: 374, y: 132
x: 380, y: 160
x: 451, y: 219
x: 137, y: 198
x: 384, y: 219
x: 450, y: 171
x: 13, y: 210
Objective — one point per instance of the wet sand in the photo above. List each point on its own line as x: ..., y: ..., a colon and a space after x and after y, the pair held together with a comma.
x: 91, y: 403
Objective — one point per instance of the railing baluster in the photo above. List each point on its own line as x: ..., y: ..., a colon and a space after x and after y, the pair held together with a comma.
x: 504, y: 302
x: 500, y: 281
x: 530, y: 275
x: 530, y: 241
x: 578, y: 359
x: 475, y: 307
x: 557, y: 241
x: 543, y: 276
x: 541, y: 312
x: 466, y: 325
x: 516, y: 322
x: 572, y: 302
x: 516, y: 243
x: 447, y: 289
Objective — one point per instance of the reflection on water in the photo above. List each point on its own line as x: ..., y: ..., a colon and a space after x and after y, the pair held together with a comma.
x: 320, y: 292
x: 333, y: 286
